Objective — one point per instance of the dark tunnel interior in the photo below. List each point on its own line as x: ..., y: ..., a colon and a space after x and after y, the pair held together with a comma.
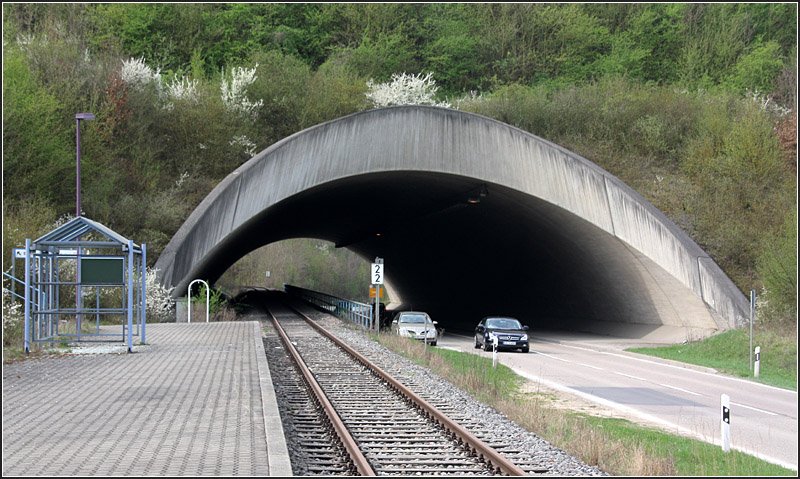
x: 459, y: 248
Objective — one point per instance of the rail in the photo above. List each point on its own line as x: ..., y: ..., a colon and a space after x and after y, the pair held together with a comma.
x: 489, y: 454
x: 362, y: 465
x: 359, y: 313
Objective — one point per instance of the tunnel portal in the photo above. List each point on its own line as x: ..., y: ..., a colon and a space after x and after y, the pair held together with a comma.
x: 472, y: 217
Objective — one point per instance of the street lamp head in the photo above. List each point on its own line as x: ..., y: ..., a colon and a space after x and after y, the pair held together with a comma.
x: 84, y: 116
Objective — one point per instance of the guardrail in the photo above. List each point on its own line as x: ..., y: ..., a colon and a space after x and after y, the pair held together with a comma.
x: 13, y: 292
x: 358, y: 313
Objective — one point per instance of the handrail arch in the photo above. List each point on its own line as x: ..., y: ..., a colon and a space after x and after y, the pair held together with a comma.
x: 189, y: 300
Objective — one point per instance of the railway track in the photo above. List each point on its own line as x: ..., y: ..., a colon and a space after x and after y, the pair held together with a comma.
x: 384, y: 427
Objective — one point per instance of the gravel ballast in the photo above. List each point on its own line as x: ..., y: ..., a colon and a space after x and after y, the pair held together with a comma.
x: 428, y: 384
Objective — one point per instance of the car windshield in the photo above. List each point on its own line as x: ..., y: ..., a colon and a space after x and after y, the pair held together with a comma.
x: 414, y: 318
x: 503, y: 323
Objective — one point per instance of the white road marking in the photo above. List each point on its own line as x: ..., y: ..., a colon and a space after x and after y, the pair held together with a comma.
x: 671, y: 366
x: 754, y: 408
x: 553, y: 357
x: 680, y: 389
x: 648, y: 417
x: 632, y: 377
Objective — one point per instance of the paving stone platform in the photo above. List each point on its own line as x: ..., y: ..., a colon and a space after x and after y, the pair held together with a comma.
x: 197, y: 400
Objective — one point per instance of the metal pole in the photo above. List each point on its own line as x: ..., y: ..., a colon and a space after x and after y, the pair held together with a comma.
x: 97, y: 312
x: 144, y: 290
x: 50, y: 295
x: 27, y: 343
x: 78, y: 167
x: 78, y: 293
x: 376, y: 323
x: 189, y: 302
x: 78, y: 118
x: 130, y: 296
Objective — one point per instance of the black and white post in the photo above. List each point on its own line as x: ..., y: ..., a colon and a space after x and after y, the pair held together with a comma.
x: 495, y: 343
x: 757, y: 369
x: 726, y: 423
x: 376, y: 276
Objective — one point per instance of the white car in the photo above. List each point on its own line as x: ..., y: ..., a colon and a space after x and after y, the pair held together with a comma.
x: 416, y: 325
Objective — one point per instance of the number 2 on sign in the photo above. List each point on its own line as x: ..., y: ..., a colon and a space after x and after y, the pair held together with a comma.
x: 377, y: 273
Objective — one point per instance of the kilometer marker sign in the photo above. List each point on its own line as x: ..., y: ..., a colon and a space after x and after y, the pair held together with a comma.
x: 377, y: 273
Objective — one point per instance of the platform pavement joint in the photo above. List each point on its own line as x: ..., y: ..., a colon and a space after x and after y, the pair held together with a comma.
x: 197, y: 402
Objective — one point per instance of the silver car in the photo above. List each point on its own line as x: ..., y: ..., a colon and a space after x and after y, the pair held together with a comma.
x: 416, y: 325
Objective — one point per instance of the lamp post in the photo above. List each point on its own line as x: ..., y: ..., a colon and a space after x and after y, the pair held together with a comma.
x: 78, y: 292
x: 78, y: 118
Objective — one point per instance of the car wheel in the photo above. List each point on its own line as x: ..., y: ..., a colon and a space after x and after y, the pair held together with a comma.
x: 433, y: 343
x: 525, y: 350
x: 477, y: 343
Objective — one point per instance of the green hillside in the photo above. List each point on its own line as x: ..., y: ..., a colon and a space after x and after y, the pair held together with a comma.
x: 693, y: 105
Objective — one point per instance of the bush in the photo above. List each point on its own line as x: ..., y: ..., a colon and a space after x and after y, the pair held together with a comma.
x: 160, y: 305
x: 777, y: 268
x: 13, y: 319
x: 38, y: 156
x: 333, y: 91
x: 757, y: 70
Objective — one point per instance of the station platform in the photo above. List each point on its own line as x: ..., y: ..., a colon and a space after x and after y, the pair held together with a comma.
x: 196, y: 400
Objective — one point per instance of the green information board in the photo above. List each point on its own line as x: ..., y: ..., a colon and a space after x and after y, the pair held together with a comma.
x: 102, y: 270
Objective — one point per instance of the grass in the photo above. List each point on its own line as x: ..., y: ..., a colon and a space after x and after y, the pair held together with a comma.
x: 616, y: 446
x: 689, y: 457
x: 728, y: 353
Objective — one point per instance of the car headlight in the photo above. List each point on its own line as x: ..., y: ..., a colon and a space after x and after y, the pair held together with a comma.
x: 524, y: 337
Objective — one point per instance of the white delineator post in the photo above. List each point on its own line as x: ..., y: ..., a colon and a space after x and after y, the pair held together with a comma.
x: 726, y: 423
x: 495, y: 342
x: 757, y: 369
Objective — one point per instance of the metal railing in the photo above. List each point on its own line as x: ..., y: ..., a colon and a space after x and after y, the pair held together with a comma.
x: 13, y: 292
x: 358, y: 313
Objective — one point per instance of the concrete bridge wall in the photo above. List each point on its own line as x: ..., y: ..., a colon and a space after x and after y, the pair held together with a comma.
x: 557, y: 211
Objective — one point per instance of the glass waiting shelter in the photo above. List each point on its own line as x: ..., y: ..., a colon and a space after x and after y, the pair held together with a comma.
x: 83, y: 282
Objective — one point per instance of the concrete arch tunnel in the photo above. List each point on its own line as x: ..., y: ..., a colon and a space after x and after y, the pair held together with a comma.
x: 472, y: 217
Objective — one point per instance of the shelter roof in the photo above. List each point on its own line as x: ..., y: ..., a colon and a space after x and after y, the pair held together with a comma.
x: 72, y: 232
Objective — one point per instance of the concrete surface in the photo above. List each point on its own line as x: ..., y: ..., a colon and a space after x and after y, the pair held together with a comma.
x: 196, y: 401
x: 596, y: 375
x: 553, y: 234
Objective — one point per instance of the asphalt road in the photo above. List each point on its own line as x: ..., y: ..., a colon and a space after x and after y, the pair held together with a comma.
x: 679, y: 398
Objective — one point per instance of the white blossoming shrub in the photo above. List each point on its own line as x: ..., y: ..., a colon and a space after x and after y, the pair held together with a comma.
x: 244, y: 142
x: 234, y: 91
x: 137, y: 73
x: 405, y: 89
x: 160, y: 305
x: 13, y: 320
x: 182, y: 89
x: 766, y: 103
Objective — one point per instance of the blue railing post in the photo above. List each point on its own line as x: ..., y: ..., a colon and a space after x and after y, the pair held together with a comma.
x: 130, y: 296
x: 27, y: 295
x: 144, y: 291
